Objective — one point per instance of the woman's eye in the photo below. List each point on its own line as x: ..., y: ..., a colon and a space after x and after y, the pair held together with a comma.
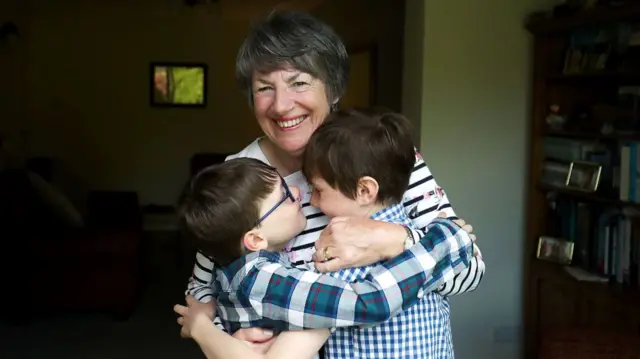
x: 263, y: 89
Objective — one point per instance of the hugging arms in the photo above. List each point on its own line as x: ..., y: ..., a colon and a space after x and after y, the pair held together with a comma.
x: 287, y: 299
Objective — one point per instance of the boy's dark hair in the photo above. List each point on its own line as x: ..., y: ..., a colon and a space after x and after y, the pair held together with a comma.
x: 222, y: 202
x: 351, y: 144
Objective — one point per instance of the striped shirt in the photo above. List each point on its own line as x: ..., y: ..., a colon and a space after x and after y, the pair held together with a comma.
x: 423, y: 200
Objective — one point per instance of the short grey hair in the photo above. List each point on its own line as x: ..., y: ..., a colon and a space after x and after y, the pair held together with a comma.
x: 294, y: 40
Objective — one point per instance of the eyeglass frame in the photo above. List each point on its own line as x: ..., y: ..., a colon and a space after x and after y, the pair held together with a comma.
x: 287, y: 195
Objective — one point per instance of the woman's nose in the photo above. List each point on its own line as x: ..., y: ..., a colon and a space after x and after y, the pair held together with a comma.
x: 282, y: 103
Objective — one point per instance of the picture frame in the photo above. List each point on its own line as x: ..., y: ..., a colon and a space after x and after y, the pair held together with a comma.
x: 555, y: 174
x: 178, y: 84
x: 555, y: 250
x: 584, y: 176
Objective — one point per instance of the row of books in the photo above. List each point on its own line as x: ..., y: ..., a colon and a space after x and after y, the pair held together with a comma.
x: 606, y: 240
x: 620, y: 176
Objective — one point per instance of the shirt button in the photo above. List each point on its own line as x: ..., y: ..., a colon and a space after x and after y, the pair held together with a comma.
x: 421, y: 293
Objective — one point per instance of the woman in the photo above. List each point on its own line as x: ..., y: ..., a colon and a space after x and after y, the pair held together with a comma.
x: 294, y: 69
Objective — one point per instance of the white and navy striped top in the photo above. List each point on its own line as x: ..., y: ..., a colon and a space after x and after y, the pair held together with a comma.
x: 423, y: 200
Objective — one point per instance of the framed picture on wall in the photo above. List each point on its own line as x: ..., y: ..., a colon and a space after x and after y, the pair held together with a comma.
x: 178, y: 84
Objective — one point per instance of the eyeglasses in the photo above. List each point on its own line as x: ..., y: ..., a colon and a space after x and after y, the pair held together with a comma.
x: 286, y: 195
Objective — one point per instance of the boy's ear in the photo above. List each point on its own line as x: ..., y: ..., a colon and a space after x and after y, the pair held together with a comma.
x: 254, y: 241
x: 367, y: 191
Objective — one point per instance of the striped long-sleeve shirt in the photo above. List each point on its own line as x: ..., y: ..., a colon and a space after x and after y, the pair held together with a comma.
x: 423, y: 200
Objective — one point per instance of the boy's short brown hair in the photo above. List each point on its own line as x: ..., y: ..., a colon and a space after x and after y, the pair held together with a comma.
x: 222, y: 202
x: 351, y: 144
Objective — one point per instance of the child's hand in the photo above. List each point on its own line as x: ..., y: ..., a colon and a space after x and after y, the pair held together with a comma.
x: 194, y: 314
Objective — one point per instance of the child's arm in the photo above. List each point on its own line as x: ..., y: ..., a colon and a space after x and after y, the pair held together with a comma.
x: 425, y: 200
x: 200, y: 287
x: 293, y: 299
x: 216, y: 344
x: 465, y: 281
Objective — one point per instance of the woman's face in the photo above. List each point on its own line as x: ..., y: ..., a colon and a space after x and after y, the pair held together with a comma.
x: 289, y: 106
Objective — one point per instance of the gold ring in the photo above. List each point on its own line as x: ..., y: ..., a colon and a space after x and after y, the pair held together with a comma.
x: 326, y: 254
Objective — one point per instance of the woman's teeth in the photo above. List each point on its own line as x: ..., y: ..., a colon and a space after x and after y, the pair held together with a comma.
x: 291, y: 123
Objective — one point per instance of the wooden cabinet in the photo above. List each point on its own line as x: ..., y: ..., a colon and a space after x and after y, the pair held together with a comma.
x: 564, y: 302
x: 587, y: 65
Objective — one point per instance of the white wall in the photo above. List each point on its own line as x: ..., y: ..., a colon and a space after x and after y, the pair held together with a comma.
x: 474, y: 116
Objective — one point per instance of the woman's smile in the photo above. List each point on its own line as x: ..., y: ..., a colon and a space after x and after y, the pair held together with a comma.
x: 291, y: 123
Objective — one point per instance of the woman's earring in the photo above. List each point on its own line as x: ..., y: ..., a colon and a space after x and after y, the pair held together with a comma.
x: 334, y: 107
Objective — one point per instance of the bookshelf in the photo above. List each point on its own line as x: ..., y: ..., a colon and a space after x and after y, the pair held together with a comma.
x: 588, y: 65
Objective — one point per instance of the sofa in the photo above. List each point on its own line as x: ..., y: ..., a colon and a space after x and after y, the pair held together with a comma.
x: 56, y: 265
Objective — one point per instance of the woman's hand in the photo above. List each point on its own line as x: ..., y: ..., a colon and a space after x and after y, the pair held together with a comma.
x: 355, y: 242
x: 192, y: 316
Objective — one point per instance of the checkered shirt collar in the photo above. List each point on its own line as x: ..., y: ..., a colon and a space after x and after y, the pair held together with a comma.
x: 394, y: 214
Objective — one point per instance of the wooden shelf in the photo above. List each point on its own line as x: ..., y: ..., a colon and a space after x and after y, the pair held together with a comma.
x: 622, y: 294
x: 590, y: 197
x: 554, y: 298
x: 596, y: 16
x: 617, y: 77
x: 594, y: 136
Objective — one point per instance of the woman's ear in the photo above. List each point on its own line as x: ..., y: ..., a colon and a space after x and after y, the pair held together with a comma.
x: 254, y: 241
x: 367, y: 191
x: 334, y: 105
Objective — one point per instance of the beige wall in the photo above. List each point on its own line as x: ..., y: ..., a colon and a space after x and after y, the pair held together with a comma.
x: 11, y: 66
x: 88, y: 93
x: 474, y: 108
x: 87, y: 81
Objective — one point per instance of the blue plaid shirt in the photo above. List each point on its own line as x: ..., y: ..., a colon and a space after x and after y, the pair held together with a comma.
x: 422, y: 331
x: 263, y: 289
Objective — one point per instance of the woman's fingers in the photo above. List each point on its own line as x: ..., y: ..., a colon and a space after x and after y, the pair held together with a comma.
x: 341, y: 258
x: 337, y: 220
x: 460, y: 222
x: 330, y: 266
x: 463, y: 224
